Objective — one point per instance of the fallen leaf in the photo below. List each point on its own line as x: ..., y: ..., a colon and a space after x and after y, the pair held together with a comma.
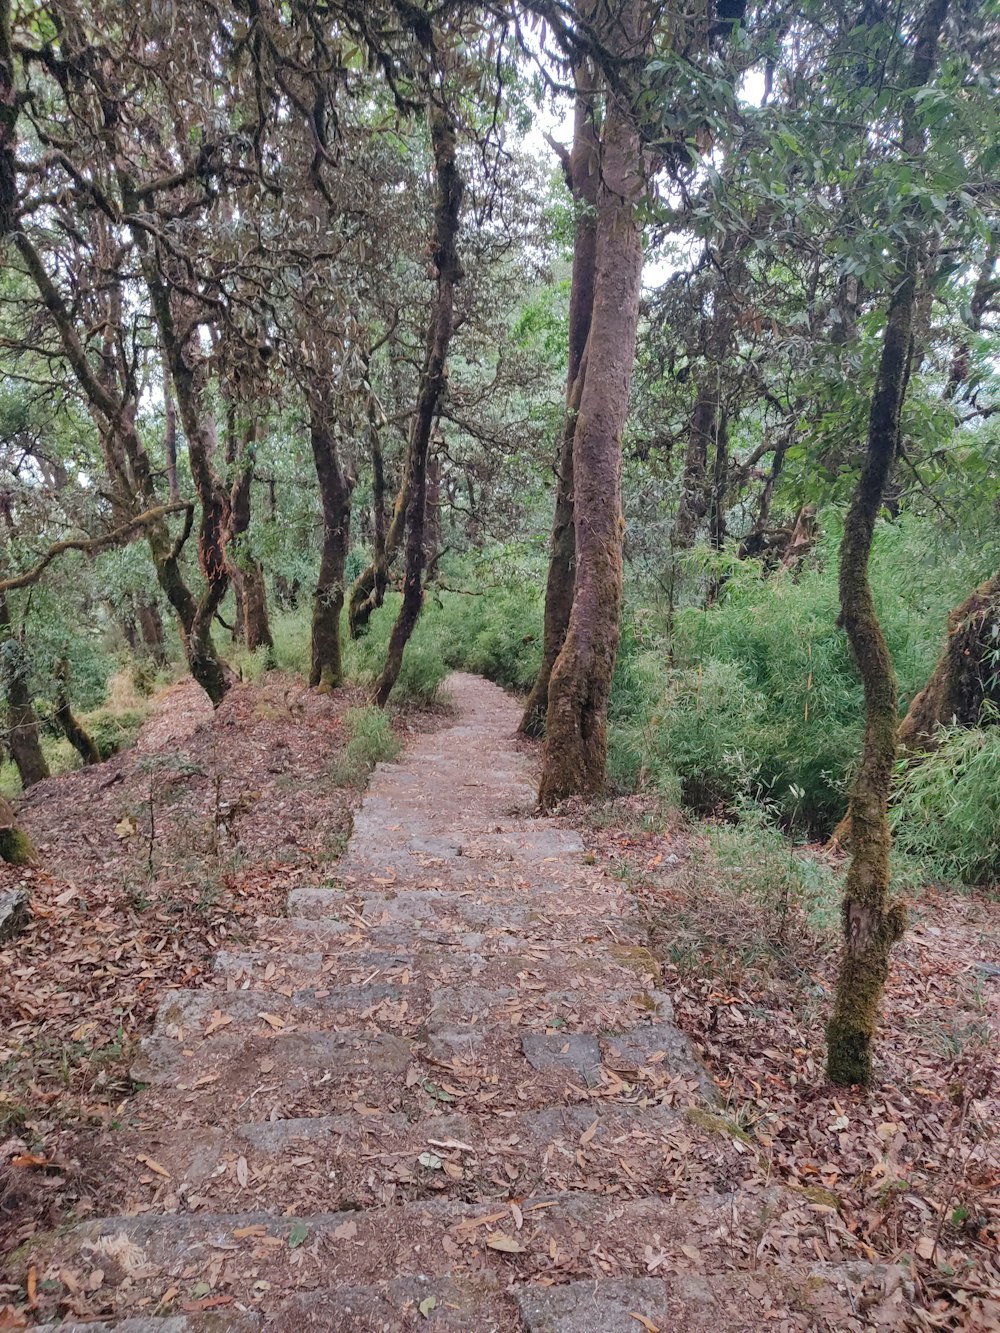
x: 273, y: 1021
x: 153, y: 1165
x: 499, y: 1240
x: 427, y: 1305
x: 588, y: 1133
x: 298, y: 1233
x: 346, y: 1231
x: 647, y: 1324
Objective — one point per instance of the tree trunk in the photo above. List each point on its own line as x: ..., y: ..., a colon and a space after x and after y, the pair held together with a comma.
x: 965, y: 675
x: 74, y: 730
x: 8, y: 126
x: 582, y: 177
x: 872, y: 924
x: 580, y: 684
x: 151, y: 629
x: 188, y: 373
x: 368, y: 590
x: 448, y: 207
x: 170, y: 432
x: 702, y: 435
x: 245, y: 570
x: 326, y: 670
x: 432, y: 519
x: 22, y: 725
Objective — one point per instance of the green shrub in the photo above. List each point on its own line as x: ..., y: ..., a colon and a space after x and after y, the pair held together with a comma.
x: 424, y: 666
x: 946, y: 810
x: 757, y: 694
x: 371, y: 740
x: 114, y: 730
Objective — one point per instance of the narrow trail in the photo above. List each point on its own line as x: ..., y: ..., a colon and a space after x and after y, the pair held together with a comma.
x: 443, y: 1093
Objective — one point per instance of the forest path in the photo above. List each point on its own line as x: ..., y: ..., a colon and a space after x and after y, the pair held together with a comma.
x: 445, y: 1093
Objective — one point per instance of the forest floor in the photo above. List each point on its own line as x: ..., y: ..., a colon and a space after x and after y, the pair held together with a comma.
x: 475, y: 1038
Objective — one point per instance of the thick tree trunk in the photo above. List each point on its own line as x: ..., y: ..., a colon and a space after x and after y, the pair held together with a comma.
x: 23, y: 737
x: 187, y: 370
x: 72, y: 728
x: 448, y: 207
x: 326, y: 670
x: 580, y: 684
x: 872, y: 924
x: 582, y: 177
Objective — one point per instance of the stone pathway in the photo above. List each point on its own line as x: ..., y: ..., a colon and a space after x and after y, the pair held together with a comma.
x: 444, y: 1093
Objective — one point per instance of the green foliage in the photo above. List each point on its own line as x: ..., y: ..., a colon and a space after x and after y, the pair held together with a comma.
x: 762, y: 698
x: 424, y: 666
x: 114, y: 729
x: 371, y: 741
x: 946, y: 812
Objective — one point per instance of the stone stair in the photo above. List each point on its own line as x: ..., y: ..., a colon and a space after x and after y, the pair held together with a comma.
x: 445, y: 1093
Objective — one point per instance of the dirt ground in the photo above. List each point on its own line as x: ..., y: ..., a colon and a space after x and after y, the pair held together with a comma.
x: 911, y: 1167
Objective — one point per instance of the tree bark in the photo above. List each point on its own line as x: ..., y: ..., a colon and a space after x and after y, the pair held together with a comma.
x: 151, y: 629
x: 580, y: 683
x: 245, y: 570
x: 335, y: 486
x: 582, y: 177
x: 23, y: 736
x: 170, y: 432
x: 965, y: 675
x: 448, y: 207
x: 72, y: 728
x: 872, y: 924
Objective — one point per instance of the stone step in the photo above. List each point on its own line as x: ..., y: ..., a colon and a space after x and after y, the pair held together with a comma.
x: 568, y: 1237
x: 564, y: 914
x: 844, y: 1298
x: 307, y: 1072
x: 385, y: 1158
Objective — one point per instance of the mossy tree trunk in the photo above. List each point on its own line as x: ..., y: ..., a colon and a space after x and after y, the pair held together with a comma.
x: 23, y: 737
x: 245, y: 570
x: 581, y: 168
x: 966, y: 675
x: 871, y: 922
x: 580, y: 684
x: 448, y: 207
x: 72, y: 728
x: 335, y: 487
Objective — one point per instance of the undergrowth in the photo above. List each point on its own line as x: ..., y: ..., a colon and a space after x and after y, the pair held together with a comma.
x: 371, y: 741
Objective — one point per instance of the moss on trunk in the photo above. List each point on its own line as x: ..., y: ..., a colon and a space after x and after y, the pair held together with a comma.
x: 580, y: 684
x: 871, y: 922
x: 582, y: 178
